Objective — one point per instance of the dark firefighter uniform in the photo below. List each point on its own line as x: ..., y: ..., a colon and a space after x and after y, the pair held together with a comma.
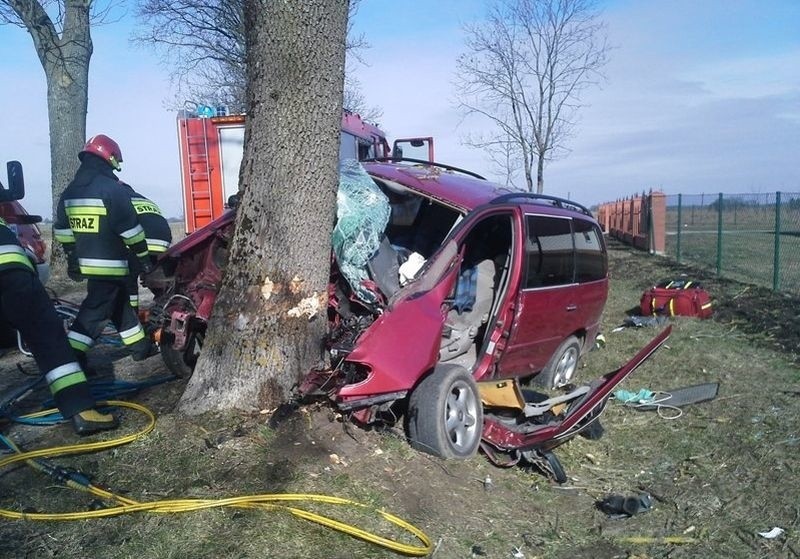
x: 27, y: 307
x: 98, y: 227
x: 158, y: 237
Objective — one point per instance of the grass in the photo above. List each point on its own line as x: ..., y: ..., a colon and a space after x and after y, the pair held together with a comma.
x: 748, y: 243
x: 720, y: 473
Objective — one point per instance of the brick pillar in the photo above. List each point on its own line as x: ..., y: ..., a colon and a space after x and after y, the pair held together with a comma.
x: 658, y: 206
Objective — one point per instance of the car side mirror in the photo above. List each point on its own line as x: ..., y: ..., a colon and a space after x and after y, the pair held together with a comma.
x: 16, y: 183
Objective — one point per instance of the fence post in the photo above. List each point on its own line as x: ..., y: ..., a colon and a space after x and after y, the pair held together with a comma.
x: 719, y: 234
x: 776, y: 263
x: 680, y: 226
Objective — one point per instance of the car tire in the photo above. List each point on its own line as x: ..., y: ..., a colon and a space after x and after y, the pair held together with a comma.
x: 181, y: 363
x: 561, y: 368
x: 445, y: 414
x: 546, y: 462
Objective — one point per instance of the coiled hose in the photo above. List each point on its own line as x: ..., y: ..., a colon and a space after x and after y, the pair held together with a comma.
x: 76, y: 480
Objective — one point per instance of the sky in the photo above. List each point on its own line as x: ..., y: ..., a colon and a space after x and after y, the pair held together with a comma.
x: 698, y: 97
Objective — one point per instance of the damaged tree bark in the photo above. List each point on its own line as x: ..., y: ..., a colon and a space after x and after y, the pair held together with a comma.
x: 270, y: 317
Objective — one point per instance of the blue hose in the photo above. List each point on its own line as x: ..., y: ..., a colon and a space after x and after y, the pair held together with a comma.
x: 101, y: 390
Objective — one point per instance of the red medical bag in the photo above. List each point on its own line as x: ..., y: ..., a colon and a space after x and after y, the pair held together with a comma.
x: 676, y: 298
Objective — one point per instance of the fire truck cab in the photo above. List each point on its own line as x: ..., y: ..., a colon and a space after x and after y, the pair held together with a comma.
x: 211, y: 150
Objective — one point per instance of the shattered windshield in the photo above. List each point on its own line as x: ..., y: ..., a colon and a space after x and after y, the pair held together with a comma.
x: 361, y: 218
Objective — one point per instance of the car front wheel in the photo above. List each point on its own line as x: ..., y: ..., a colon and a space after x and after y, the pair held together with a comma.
x: 560, y: 370
x: 181, y: 362
x: 445, y: 414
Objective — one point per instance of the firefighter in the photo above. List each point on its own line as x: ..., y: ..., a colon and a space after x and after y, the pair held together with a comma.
x: 25, y: 305
x: 158, y: 236
x: 98, y: 227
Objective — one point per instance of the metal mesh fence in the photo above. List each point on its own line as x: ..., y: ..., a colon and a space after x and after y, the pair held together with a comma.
x: 749, y: 237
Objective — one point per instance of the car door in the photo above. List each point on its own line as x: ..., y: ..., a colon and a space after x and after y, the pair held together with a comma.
x: 546, y: 309
x: 591, y: 276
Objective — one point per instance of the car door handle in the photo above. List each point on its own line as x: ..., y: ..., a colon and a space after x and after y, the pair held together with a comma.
x: 571, y: 308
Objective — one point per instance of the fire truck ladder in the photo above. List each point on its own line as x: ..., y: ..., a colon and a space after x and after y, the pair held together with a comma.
x: 199, y: 175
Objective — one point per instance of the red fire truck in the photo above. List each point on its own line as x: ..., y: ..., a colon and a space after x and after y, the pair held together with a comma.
x: 211, y: 151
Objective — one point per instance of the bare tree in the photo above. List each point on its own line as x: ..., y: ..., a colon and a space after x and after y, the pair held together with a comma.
x: 64, y: 46
x: 356, y: 102
x: 524, y: 70
x: 203, y: 40
x: 269, y: 320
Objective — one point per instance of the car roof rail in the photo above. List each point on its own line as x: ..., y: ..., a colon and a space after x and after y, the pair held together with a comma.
x: 423, y: 162
x: 542, y: 198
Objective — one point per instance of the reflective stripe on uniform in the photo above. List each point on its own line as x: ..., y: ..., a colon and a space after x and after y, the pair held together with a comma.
x: 132, y: 335
x: 134, y: 299
x: 64, y: 235
x: 145, y: 206
x: 103, y: 267
x: 65, y: 376
x: 78, y: 341
x: 14, y: 254
x: 85, y: 206
x: 133, y: 235
x: 157, y: 245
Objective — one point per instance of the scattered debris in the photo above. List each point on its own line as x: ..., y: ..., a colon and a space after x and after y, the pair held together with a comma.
x: 599, y: 341
x: 336, y: 460
x: 646, y: 540
x: 772, y: 534
x: 641, y: 322
x: 619, y: 506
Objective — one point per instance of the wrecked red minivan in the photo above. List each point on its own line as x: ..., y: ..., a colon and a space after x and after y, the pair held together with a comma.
x: 448, y: 296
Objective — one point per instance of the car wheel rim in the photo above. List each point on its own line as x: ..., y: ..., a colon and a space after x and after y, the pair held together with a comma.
x: 461, y: 413
x: 565, y: 367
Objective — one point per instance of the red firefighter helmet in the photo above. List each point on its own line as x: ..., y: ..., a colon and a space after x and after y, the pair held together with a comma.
x: 105, y: 148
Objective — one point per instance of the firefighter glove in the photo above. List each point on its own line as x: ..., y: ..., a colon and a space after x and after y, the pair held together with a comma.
x: 147, y: 265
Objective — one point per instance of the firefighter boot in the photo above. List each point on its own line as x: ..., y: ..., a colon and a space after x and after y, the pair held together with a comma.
x: 143, y: 349
x: 92, y: 421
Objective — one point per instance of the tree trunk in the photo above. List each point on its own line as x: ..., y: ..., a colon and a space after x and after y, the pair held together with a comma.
x: 65, y: 60
x: 540, y: 173
x: 67, y: 94
x: 269, y: 320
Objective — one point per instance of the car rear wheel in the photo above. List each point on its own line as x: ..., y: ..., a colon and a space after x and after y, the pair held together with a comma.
x: 560, y: 370
x: 445, y: 415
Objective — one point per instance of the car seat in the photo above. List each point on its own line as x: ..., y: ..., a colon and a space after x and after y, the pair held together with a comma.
x: 464, y: 322
x: 383, y: 268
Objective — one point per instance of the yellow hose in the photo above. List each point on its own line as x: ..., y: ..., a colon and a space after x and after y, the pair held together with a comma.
x: 170, y: 506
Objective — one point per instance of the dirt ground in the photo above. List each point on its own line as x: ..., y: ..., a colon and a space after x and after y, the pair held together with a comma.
x: 719, y: 474
x: 772, y: 317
